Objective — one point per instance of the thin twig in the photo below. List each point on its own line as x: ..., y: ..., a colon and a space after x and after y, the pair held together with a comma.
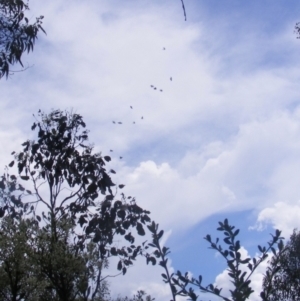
x: 184, y: 12
x: 22, y: 70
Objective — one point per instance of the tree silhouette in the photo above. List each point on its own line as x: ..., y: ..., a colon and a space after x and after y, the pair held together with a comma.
x: 17, y: 35
x: 182, y: 284
x: 282, y: 279
x: 69, y: 183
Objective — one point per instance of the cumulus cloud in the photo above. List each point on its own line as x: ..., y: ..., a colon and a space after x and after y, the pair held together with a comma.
x: 243, y: 173
x: 282, y: 216
x: 222, y: 136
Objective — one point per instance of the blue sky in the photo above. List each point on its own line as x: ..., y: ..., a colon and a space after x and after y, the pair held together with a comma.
x: 221, y: 140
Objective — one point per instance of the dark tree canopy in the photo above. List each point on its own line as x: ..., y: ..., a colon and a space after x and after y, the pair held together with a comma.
x: 66, y: 183
x: 282, y: 279
x: 17, y: 34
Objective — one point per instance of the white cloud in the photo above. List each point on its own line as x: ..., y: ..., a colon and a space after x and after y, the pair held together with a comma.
x: 282, y: 216
x: 242, y: 173
x: 222, y: 136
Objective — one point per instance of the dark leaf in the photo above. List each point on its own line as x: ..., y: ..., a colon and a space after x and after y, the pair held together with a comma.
x: 140, y: 229
x: 236, y: 232
x: 113, y: 251
x: 120, y: 265
x: 92, y: 188
x: 2, y: 212
x: 82, y: 220
x: 107, y: 158
x: 208, y: 238
x: 160, y: 234
x: 2, y: 185
x: 121, y: 214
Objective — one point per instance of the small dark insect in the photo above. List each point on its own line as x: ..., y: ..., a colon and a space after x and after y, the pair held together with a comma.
x: 154, y: 88
x: 164, y: 48
x: 142, y: 117
x: 170, y: 78
x: 119, y: 122
x: 113, y: 122
x: 160, y: 90
x: 151, y: 86
x: 121, y: 157
x: 130, y: 107
x: 111, y: 150
x: 134, y: 122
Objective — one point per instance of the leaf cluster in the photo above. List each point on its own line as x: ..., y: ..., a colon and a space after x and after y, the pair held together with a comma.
x: 17, y: 34
x: 34, y: 268
x: 139, y: 296
x: 282, y: 278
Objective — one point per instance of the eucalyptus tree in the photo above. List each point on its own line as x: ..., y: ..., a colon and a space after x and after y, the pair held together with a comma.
x: 65, y: 181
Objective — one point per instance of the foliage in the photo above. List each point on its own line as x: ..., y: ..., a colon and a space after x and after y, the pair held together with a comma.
x: 282, y: 279
x: 181, y: 284
x: 19, y: 276
x: 140, y: 296
x: 67, y: 179
x: 70, y: 273
x: 17, y: 34
x: 32, y: 268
